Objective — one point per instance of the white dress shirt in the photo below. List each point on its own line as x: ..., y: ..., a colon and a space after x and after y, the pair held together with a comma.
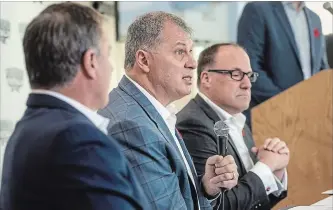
x: 170, y: 120
x: 100, y: 122
x: 236, y: 124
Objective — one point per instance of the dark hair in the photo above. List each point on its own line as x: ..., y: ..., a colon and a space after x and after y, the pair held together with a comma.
x: 144, y: 33
x: 55, y: 41
x: 207, y: 57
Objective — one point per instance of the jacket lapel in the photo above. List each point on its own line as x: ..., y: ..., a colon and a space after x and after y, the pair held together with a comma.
x: 128, y: 87
x: 311, y: 36
x: 212, y: 114
x: 283, y: 18
x: 249, y: 143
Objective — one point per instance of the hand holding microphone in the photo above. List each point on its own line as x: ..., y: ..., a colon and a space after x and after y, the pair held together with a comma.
x: 220, y: 169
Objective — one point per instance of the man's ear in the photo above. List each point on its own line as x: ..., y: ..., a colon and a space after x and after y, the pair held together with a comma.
x: 90, y: 64
x: 205, y: 79
x: 142, y: 59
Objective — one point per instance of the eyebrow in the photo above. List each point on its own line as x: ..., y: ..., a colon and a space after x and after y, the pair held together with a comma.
x: 183, y: 44
x: 180, y: 43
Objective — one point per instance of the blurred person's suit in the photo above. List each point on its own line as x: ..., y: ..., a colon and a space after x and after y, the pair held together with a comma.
x: 329, y: 45
x: 282, y: 51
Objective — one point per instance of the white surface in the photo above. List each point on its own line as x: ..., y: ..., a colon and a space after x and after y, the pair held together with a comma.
x: 327, y: 202
x: 312, y: 208
x: 328, y: 192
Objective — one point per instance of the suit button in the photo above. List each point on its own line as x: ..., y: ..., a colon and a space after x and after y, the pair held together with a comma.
x: 256, y: 207
x: 259, y: 204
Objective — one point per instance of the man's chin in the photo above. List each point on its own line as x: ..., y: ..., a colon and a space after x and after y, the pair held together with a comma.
x: 182, y: 94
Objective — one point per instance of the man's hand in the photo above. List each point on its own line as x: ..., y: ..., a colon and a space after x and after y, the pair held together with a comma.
x: 276, y: 145
x: 274, y: 161
x: 219, y: 173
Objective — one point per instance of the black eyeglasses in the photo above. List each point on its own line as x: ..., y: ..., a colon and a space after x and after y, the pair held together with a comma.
x: 237, y: 75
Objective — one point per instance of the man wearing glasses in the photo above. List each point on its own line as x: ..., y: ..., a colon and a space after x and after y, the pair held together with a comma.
x: 224, y: 82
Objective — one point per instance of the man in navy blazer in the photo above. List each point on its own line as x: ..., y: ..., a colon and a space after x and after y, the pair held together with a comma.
x: 159, y: 68
x: 59, y: 157
x: 285, y: 44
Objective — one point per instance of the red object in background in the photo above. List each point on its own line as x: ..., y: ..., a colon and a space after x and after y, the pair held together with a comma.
x: 316, y: 32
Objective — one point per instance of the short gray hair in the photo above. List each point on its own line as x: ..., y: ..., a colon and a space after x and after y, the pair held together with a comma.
x: 144, y: 33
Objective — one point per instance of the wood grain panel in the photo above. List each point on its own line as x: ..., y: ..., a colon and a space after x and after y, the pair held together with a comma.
x: 302, y: 116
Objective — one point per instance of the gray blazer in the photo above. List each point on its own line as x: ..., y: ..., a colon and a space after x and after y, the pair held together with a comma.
x: 195, y: 122
x: 151, y: 150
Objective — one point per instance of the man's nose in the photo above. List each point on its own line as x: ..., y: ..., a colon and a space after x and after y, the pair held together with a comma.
x: 246, y: 83
x: 191, y: 63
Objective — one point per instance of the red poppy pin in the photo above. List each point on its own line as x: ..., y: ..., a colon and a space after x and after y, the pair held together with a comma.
x: 316, y: 33
x: 243, y: 132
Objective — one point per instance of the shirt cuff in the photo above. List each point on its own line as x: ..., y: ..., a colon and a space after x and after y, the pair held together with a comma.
x: 214, y: 198
x: 282, y: 185
x: 266, y: 176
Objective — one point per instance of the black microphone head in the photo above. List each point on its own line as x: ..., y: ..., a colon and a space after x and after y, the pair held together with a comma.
x: 221, y: 128
x: 327, y: 5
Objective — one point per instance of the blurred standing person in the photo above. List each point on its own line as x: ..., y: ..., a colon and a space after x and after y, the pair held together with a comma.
x: 285, y: 44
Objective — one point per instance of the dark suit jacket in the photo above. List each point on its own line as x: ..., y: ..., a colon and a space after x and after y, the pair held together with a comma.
x: 56, y: 159
x: 196, y: 122
x: 265, y: 33
x: 329, y: 44
x: 151, y: 150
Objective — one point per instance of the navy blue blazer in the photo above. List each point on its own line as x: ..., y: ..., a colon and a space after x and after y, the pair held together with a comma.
x: 266, y: 34
x: 56, y: 159
x: 151, y: 150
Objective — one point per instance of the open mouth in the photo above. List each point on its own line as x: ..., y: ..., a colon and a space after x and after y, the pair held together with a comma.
x: 187, y: 78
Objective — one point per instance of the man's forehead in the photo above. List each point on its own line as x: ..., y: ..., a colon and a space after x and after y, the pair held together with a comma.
x: 175, y: 35
x: 232, y: 57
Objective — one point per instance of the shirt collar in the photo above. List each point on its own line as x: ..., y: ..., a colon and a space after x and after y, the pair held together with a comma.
x: 238, y: 119
x: 99, y: 121
x: 162, y: 110
x: 290, y: 4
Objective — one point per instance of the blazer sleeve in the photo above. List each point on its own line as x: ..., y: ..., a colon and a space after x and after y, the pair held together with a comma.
x: 150, y: 161
x: 251, y: 36
x: 92, y: 172
x: 201, y: 143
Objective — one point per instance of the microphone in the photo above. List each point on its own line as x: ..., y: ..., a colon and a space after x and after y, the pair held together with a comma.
x: 221, y: 130
x: 328, y: 7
